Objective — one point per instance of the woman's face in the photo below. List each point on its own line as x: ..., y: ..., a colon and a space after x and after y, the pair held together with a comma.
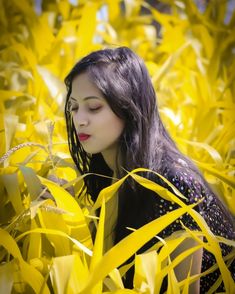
x: 97, y: 126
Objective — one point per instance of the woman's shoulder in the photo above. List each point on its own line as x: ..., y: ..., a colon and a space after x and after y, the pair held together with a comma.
x: 194, y: 187
x: 188, y: 180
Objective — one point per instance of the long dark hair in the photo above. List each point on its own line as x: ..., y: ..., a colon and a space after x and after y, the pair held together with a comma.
x: 123, y: 79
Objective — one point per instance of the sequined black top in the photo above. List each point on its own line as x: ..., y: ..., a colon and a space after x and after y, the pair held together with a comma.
x: 212, y: 211
x: 210, y: 208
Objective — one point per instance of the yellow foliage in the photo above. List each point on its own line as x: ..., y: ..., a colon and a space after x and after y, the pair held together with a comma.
x: 47, y: 245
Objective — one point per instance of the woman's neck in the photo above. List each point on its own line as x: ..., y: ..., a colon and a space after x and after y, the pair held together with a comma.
x: 110, y: 157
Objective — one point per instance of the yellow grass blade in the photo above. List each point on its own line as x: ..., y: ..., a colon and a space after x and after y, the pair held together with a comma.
x: 98, y: 248
x: 60, y: 272
x: 32, y: 182
x: 11, y: 184
x: 79, y: 245
x: 29, y: 274
x: 86, y: 33
x: 35, y: 243
x: 6, y: 277
x: 129, y: 245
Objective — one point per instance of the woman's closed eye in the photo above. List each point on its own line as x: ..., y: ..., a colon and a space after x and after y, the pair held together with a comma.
x: 73, y: 108
x: 88, y: 107
x: 94, y: 108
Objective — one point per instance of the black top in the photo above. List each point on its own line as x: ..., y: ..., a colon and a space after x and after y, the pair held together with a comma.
x: 212, y: 211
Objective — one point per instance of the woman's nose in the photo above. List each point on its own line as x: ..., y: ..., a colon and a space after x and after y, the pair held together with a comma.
x: 83, y: 123
x: 81, y: 119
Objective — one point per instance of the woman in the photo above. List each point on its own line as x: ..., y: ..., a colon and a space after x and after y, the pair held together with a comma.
x: 114, y: 126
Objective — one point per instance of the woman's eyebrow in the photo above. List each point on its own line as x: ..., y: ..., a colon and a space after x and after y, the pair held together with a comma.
x: 85, y: 98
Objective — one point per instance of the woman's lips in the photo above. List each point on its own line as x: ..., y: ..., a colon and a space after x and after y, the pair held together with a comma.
x: 83, y: 137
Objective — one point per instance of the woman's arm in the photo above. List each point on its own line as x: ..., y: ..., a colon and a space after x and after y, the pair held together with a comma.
x: 193, y: 190
x: 183, y: 268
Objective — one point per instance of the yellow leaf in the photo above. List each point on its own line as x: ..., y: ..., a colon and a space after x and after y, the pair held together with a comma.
x: 79, y: 275
x: 129, y: 245
x: 35, y: 243
x: 79, y: 245
x: 86, y: 33
x: 51, y: 220
x: 6, y: 277
x: 13, y: 190
x: 33, y: 184
x: 60, y: 273
x: 29, y: 274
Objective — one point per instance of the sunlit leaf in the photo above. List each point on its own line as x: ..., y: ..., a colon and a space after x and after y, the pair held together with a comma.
x: 36, y: 280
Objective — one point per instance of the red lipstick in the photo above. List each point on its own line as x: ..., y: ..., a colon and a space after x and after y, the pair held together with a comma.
x: 83, y: 137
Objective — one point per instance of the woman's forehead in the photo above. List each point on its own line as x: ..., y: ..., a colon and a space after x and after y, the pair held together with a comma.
x: 84, y: 88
